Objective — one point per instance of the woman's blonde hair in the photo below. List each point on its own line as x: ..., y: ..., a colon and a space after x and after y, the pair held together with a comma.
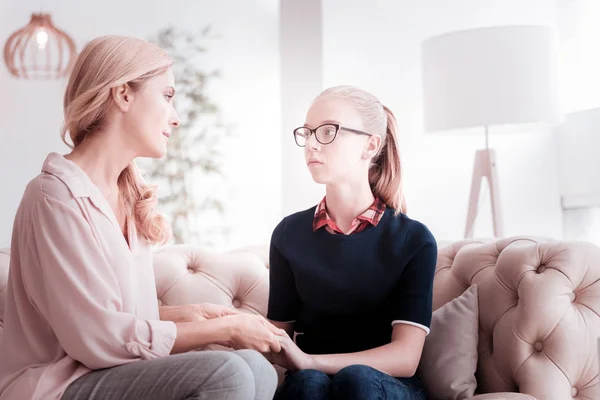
x: 385, y: 172
x: 105, y: 63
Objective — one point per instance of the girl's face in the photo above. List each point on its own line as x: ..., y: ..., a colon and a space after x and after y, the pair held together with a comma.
x: 347, y: 157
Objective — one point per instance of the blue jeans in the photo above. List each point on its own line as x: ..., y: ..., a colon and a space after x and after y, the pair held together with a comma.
x: 355, y: 382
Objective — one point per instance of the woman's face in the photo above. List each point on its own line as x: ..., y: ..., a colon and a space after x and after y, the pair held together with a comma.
x: 151, y: 116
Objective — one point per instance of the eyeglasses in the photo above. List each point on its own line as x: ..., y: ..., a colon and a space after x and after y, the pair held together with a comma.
x: 325, y: 133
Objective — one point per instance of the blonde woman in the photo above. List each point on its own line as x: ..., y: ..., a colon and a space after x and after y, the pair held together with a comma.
x: 353, y: 275
x: 82, y: 319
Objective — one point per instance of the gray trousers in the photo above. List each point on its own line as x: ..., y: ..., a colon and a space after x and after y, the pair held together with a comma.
x: 206, y: 375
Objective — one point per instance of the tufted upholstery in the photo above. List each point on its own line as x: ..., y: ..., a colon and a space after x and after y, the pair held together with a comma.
x: 187, y: 274
x: 539, y: 313
x: 539, y: 305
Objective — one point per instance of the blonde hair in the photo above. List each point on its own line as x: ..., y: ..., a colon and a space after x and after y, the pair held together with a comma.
x: 105, y: 63
x: 385, y: 172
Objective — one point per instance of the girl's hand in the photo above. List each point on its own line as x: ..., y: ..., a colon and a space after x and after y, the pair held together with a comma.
x: 290, y: 357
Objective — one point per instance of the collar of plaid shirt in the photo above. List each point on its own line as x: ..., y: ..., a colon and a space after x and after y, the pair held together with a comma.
x: 371, y: 216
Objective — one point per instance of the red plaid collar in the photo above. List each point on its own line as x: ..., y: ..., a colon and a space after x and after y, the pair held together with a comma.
x: 371, y: 216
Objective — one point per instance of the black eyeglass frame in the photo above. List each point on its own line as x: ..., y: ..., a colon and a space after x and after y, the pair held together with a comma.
x: 338, y: 127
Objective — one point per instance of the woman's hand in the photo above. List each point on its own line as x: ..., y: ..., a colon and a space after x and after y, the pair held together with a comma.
x: 249, y: 331
x: 290, y: 357
x: 194, y: 312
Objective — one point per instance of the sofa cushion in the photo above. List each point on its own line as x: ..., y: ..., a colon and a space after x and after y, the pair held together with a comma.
x: 449, y: 359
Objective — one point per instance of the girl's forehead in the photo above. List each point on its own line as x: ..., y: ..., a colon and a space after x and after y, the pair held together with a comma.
x: 341, y: 111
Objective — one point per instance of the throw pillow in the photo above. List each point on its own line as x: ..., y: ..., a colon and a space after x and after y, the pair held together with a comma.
x: 449, y: 360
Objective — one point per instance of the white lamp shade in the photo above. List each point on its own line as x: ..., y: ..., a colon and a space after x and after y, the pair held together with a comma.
x: 490, y: 76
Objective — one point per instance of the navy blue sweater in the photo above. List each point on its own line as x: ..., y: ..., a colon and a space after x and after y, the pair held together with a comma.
x: 345, y: 291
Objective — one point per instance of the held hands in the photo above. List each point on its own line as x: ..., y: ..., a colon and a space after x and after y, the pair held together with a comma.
x: 245, y: 331
x: 254, y: 332
x: 290, y: 357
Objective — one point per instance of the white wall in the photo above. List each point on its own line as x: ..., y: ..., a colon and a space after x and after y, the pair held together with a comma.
x: 583, y: 224
x: 248, y: 93
x: 579, y: 141
x: 377, y: 47
x: 578, y: 138
x: 301, y: 46
x: 578, y: 21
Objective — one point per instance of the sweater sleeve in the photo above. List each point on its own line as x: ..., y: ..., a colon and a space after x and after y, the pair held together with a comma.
x: 284, y: 300
x: 413, y: 298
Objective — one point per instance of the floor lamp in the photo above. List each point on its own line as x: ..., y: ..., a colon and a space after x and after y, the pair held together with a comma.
x: 489, y: 77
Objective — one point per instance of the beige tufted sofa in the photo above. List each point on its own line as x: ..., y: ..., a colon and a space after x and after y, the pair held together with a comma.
x: 539, y: 306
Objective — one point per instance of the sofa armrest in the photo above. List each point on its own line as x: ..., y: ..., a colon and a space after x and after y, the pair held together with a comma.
x: 503, y: 396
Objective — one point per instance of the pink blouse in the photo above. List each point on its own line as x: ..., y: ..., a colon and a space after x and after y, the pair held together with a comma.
x: 79, y: 297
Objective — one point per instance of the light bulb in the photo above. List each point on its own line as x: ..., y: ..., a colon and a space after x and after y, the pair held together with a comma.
x: 42, y: 39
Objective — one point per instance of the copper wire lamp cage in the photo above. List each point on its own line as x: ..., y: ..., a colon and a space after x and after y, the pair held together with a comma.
x: 39, y: 50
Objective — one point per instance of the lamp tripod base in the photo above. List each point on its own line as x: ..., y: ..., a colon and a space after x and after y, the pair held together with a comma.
x: 484, y: 168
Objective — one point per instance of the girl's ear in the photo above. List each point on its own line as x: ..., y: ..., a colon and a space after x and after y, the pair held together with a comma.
x: 372, y: 147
